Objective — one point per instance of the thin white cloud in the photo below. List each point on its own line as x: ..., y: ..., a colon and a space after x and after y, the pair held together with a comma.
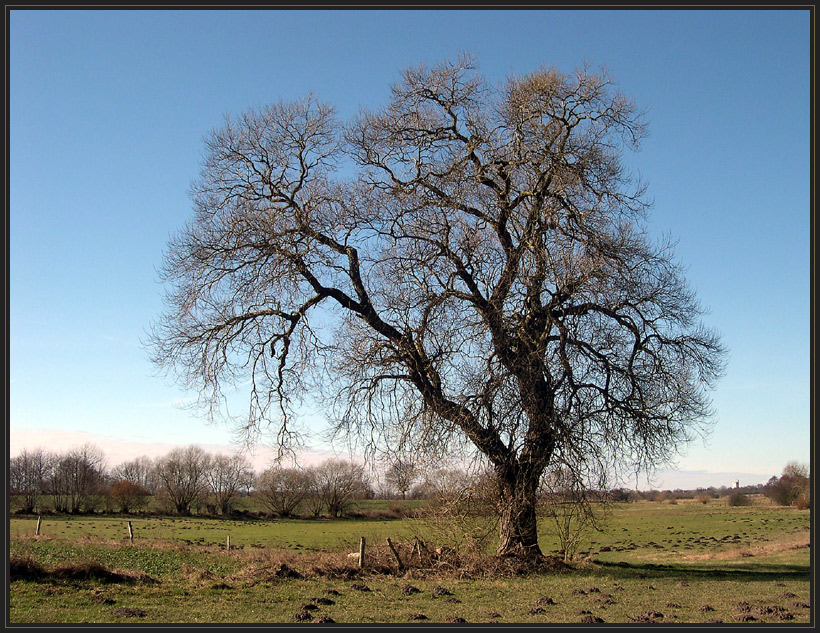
x: 119, y: 450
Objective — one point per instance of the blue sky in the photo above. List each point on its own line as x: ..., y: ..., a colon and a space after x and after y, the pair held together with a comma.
x: 108, y: 110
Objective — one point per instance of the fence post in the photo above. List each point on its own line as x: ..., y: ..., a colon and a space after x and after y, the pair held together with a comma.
x: 228, y: 544
x: 130, y: 533
x: 361, y: 553
x: 395, y: 553
x: 37, y: 532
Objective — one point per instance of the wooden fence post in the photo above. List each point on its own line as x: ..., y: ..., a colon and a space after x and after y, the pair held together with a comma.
x: 395, y: 553
x: 361, y: 553
x: 130, y: 533
x: 228, y: 544
x: 37, y: 531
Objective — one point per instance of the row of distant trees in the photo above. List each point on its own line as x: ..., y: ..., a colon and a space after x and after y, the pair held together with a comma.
x: 190, y: 480
x: 183, y: 481
x: 791, y: 488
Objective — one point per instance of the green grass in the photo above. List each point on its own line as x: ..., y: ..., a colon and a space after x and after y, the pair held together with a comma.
x: 250, y: 504
x: 688, y: 562
x: 295, y: 534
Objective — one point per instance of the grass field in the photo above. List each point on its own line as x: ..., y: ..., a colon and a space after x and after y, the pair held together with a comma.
x: 652, y: 562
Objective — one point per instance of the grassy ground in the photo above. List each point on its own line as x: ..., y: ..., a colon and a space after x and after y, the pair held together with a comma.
x: 653, y: 562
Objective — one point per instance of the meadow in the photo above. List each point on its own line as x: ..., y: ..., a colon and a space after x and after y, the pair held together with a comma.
x: 651, y: 562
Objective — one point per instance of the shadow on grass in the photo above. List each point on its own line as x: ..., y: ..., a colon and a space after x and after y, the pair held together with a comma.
x: 26, y: 568
x: 751, y: 572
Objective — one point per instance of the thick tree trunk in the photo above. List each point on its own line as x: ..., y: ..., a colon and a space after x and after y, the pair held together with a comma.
x: 518, y: 533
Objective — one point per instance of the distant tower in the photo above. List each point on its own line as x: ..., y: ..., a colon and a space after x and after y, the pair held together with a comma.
x: 737, y: 483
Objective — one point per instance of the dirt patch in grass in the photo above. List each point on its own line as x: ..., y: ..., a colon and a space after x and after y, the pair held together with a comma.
x: 647, y: 616
x: 591, y: 619
x: 783, y: 544
x: 128, y: 612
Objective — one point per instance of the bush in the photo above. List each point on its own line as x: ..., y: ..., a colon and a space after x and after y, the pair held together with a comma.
x: 398, y: 510
x: 791, y: 488
x: 620, y: 495
x: 803, y: 501
x: 128, y: 496
x: 667, y: 496
x: 739, y: 499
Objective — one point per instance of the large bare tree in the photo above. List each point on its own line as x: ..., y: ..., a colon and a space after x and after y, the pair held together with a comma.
x: 227, y: 476
x: 183, y: 476
x: 400, y: 475
x: 282, y: 489
x: 28, y: 477
x: 468, y: 264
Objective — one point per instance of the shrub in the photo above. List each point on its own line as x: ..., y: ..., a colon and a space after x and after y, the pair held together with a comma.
x: 790, y: 487
x: 667, y: 496
x: 739, y: 499
x: 803, y: 501
x: 397, y: 509
x: 619, y: 495
x: 128, y: 496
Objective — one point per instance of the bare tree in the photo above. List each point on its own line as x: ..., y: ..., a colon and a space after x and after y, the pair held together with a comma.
x: 484, y: 281
x: 58, y: 483
x: 77, y: 478
x: 283, y: 489
x: 227, y: 476
x: 183, y: 476
x: 28, y: 477
x: 401, y: 474
x: 314, y: 501
x: 138, y: 471
x: 339, y: 482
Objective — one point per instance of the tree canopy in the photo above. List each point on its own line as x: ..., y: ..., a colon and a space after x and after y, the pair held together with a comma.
x: 468, y: 264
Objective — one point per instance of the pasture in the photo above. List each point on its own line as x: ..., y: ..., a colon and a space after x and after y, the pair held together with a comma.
x: 651, y: 562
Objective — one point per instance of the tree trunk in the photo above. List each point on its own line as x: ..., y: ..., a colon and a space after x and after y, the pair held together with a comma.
x: 518, y: 533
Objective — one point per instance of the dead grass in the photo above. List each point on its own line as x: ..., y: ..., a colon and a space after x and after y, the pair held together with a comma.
x: 416, y: 562
x: 416, y: 559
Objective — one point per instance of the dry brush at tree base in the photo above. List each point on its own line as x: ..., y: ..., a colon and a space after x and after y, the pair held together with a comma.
x: 484, y: 281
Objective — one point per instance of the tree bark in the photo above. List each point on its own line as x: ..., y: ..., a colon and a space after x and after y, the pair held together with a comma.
x: 518, y: 527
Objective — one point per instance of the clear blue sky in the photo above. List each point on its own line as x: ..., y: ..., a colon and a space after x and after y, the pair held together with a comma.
x: 108, y: 110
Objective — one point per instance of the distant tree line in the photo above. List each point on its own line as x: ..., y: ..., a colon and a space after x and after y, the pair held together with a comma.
x: 184, y: 481
x: 189, y: 480
x: 791, y: 488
